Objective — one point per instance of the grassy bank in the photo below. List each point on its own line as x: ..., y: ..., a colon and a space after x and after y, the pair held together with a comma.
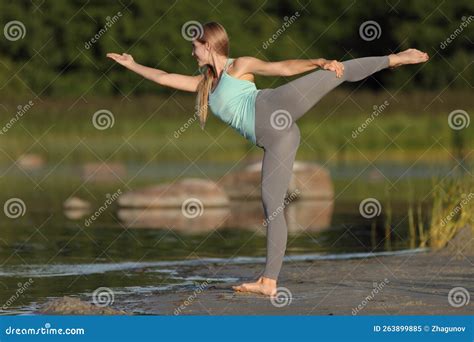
x: 410, y: 127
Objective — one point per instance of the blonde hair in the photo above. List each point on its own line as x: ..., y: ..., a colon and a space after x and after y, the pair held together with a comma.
x: 216, y: 35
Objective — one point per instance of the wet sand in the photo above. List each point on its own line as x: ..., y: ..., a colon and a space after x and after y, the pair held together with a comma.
x: 415, y: 284
x: 411, y: 284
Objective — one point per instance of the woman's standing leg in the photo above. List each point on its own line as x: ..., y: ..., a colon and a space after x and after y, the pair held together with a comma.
x: 280, y: 144
x: 277, y: 169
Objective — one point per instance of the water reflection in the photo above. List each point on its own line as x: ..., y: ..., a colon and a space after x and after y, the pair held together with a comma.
x: 300, y: 215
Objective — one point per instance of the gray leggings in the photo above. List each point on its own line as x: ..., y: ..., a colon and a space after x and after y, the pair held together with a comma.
x: 276, y: 111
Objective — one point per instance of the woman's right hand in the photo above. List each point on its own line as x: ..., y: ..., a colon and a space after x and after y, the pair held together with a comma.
x: 125, y: 59
x: 333, y: 65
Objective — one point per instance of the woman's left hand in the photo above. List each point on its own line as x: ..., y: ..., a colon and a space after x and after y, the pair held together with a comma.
x: 333, y: 65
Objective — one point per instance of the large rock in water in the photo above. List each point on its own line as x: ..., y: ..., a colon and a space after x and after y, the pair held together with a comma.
x: 309, y: 181
x: 190, y: 191
x: 189, y: 205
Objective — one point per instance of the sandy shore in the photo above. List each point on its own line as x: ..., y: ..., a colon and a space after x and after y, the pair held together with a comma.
x: 415, y: 284
x: 411, y: 284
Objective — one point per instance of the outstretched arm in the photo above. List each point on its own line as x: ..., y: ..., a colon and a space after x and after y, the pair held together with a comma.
x: 288, y: 67
x: 176, y: 81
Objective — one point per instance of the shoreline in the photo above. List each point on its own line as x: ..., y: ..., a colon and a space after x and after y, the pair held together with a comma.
x: 415, y: 284
x: 411, y: 284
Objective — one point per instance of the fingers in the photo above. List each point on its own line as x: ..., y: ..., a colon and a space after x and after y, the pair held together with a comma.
x: 115, y: 56
x: 338, y: 68
x: 335, y: 66
x: 341, y: 69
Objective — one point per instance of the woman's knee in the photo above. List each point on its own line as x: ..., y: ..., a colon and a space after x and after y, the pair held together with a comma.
x: 292, y: 137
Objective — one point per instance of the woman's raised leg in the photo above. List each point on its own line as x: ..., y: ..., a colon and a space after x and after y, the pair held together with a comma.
x: 298, y: 96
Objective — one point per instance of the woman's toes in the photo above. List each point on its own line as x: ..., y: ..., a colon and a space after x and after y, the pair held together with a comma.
x: 239, y: 287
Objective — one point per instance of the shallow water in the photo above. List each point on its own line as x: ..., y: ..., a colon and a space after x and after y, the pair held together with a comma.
x: 60, y: 255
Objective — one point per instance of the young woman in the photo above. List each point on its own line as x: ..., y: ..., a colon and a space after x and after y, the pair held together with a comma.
x: 266, y: 117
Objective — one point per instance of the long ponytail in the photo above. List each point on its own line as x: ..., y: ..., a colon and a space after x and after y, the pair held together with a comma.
x: 216, y: 35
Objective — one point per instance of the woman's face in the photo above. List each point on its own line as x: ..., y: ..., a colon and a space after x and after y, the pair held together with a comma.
x: 200, y: 52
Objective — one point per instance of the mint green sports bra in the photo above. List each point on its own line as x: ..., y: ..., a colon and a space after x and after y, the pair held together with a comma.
x: 233, y: 101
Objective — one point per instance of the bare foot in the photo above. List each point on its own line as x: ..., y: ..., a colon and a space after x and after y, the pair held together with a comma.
x: 409, y: 56
x: 263, y: 285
